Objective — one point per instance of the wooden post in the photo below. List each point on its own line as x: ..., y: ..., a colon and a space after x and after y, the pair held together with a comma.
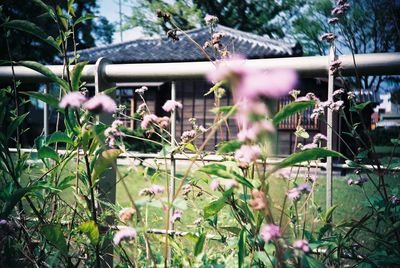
x: 108, y: 179
x: 329, y: 132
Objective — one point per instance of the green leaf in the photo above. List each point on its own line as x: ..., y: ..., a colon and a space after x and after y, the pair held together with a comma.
x: 59, y: 137
x: 104, y: 161
x: 215, y: 206
x: 224, y: 109
x: 191, y: 147
x: 33, y: 29
x: 45, y: 71
x: 328, y: 214
x: 310, y: 262
x: 76, y: 74
x: 217, y: 170
x: 45, y: 7
x: 91, y: 229
x: 215, y: 87
x: 242, y: 247
x: 231, y: 229
x: 395, y: 141
x: 48, y: 152
x: 198, y: 247
x: 12, y: 201
x: 303, y: 156
x: 83, y: 18
x: 242, y: 180
x: 54, y: 234
x: 229, y: 146
x: 15, y: 124
x: 360, y: 106
x: 291, y: 109
x: 46, y: 98
x: 109, y: 91
x: 301, y: 132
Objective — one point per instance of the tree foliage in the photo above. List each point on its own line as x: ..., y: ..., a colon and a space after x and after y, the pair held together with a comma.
x: 259, y: 17
x: 25, y: 46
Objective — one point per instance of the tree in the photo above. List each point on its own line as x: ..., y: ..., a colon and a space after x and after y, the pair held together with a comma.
x: 259, y: 17
x: 25, y: 46
x: 369, y: 26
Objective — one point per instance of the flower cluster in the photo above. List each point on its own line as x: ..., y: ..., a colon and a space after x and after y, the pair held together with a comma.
x: 269, y: 232
x: 341, y: 7
x: 210, y: 19
x: 315, y: 143
x: 112, y: 132
x: 335, y: 67
x: 319, y: 110
x: 247, y: 154
x: 98, y: 103
x: 295, y: 193
x: 189, y: 135
x: 360, y: 182
x: 149, y: 119
x: 259, y: 200
x: 126, y: 214
x: 394, y: 200
x: 152, y: 191
x: 301, y: 245
x: 124, y: 233
x: 328, y: 37
x: 228, y: 183
x: 176, y: 216
x: 170, y: 105
x: 141, y: 90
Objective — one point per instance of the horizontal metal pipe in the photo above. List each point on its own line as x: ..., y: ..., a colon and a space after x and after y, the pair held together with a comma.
x: 313, y: 66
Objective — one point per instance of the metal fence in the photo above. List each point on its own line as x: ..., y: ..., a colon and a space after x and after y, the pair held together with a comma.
x: 105, y: 75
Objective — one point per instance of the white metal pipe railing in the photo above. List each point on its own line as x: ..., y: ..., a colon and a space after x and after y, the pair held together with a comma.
x: 313, y: 66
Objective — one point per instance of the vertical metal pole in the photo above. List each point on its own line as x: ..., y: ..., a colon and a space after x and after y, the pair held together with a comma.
x: 329, y: 132
x: 46, y: 112
x: 108, y: 180
x: 173, y: 165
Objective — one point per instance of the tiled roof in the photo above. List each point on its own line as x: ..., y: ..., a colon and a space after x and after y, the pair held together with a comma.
x: 166, y: 50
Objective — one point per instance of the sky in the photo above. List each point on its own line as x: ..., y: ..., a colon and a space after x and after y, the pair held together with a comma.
x: 110, y: 10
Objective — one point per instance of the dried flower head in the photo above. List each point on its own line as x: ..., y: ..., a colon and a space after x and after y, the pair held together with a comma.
x: 126, y: 214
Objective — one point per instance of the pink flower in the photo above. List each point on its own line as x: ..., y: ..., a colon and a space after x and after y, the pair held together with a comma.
x: 247, y: 135
x: 336, y: 105
x: 248, y: 153
x: 100, y: 103
x: 259, y: 201
x: 304, y: 188
x: 126, y: 214
x: 72, y: 99
x: 230, y: 69
x: 273, y: 84
x: 214, y: 185
x: 125, y: 233
x: 147, y: 120
x: 210, y: 19
x: 293, y: 194
x: 170, y: 105
x: 230, y: 183
x: 157, y: 189
x: 141, y: 90
x: 329, y: 37
x: 270, y: 231
x: 319, y: 137
x: 309, y: 146
x: 302, y: 245
x: 188, y: 135
x: 176, y: 216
